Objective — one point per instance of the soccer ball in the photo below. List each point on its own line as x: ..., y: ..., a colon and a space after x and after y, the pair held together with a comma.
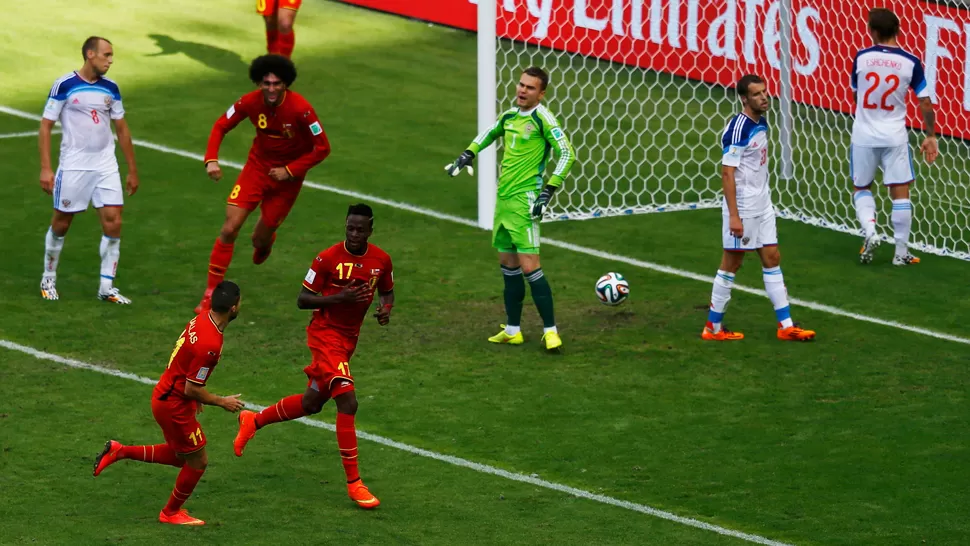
x: 612, y: 289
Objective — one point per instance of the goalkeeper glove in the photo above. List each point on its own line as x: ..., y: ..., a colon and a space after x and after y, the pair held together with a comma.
x: 540, y: 205
x: 463, y: 161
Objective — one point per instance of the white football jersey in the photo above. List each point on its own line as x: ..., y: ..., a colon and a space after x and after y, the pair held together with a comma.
x: 880, y: 78
x: 745, y: 144
x: 85, y: 110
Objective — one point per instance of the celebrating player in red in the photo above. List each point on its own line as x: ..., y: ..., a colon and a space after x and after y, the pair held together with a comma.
x: 177, y: 399
x: 289, y: 142
x: 340, y: 287
x: 279, y: 16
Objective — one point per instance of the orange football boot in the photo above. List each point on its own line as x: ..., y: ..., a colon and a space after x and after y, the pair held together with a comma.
x: 362, y: 496
x: 724, y: 335
x: 247, y: 429
x: 107, y: 457
x: 181, y: 517
x: 794, y: 333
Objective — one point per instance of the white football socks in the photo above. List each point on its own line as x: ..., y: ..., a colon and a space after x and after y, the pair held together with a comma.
x: 110, y: 253
x: 865, y: 209
x: 720, y: 296
x: 52, y: 253
x: 902, y: 222
x: 778, y: 294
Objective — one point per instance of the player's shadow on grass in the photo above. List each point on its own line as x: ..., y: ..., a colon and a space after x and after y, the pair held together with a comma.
x: 214, y: 57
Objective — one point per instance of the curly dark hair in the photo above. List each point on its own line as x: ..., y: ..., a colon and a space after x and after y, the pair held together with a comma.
x: 278, y: 65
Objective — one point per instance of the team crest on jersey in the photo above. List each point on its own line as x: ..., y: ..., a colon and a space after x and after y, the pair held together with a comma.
x: 288, y: 130
x: 107, y: 101
x: 66, y: 202
x: 745, y: 240
x: 375, y: 271
x: 529, y: 128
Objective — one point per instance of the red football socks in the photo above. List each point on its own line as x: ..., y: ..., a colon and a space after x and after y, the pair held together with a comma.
x: 286, y: 409
x: 158, y: 454
x: 272, y: 41
x: 218, y: 263
x: 347, y: 443
x: 286, y: 42
x: 184, y: 485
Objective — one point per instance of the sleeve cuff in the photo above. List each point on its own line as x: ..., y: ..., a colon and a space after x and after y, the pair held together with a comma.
x: 555, y: 181
x: 201, y: 384
x: 207, y: 161
x: 310, y: 288
x: 474, y: 148
x: 289, y: 171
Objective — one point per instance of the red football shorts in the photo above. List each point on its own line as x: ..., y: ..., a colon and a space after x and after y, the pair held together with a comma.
x: 269, y: 7
x: 255, y: 188
x: 182, y: 430
x: 330, y: 365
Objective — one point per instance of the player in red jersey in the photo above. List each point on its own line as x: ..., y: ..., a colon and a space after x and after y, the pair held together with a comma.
x: 279, y: 16
x: 176, y: 400
x: 289, y: 142
x: 340, y: 287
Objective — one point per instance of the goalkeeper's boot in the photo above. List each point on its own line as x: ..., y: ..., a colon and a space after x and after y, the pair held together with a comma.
x: 206, y: 302
x: 260, y: 255
x: 868, y: 248
x: 362, y: 496
x: 113, y: 296
x: 552, y: 340
x: 181, y: 517
x: 107, y: 457
x: 794, y: 333
x: 247, y: 429
x: 908, y: 259
x: 503, y: 337
x: 48, y: 288
x: 708, y: 334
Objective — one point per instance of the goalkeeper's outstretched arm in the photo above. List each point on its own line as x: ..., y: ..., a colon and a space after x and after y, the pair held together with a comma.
x: 482, y: 141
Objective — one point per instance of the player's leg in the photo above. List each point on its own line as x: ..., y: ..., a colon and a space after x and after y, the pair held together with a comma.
x: 267, y: 8
x: 346, y: 401
x: 71, y: 195
x: 862, y: 169
x: 524, y: 232
x: 53, y: 244
x: 731, y: 260
x: 286, y: 15
x: 514, y: 291
x: 192, y: 470
x: 775, y: 281
x: 274, y: 208
x: 244, y: 197
x: 110, y: 250
x: 898, y: 174
x: 115, y: 451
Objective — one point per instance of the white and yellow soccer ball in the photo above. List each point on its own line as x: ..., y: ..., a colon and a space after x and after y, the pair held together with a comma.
x: 612, y: 289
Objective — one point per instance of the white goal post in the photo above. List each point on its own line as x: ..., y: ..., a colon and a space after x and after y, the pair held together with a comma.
x: 643, y: 89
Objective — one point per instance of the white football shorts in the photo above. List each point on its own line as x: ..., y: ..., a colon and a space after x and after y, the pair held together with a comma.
x: 73, y: 190
x: 759, y: 231
x: 896, y: 163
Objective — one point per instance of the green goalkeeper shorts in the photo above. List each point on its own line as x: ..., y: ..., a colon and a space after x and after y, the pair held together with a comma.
x: 514, y: 229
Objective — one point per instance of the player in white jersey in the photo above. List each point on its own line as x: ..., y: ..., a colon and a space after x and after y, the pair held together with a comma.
x: 85, y: 102
x: 881, y: 75
x: 748, y: 217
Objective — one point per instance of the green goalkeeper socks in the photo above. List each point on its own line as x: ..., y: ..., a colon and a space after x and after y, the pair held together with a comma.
x: 542, y: 296
x: 514, y: 294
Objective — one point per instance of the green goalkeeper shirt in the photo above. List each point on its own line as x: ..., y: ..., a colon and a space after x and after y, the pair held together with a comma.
x: 529, y: 139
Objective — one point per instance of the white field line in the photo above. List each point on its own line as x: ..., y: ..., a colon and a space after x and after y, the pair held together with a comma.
x: 456, y: 461
x: 560, y: 244
x: 25, y: 134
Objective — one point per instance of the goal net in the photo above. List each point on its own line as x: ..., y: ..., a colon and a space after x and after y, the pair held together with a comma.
x: 644, y: 88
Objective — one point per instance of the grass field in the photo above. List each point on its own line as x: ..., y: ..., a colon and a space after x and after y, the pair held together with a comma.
x: 859, y: 438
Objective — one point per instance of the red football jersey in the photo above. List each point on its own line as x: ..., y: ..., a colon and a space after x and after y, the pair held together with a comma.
x: 195, y: 356
x: 335, y: 268
x: 288, y: 135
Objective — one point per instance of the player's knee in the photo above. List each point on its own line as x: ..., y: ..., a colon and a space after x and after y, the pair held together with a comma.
x: 312, y: 406
x: 198, y: 460
x: 229, y: 232
x: 285, y: 27
x: 347, y: 405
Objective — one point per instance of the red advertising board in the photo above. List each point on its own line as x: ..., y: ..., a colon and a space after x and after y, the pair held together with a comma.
x: 717, y: 41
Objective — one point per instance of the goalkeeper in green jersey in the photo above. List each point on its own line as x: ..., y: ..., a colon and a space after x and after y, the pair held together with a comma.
x: 530, y: 133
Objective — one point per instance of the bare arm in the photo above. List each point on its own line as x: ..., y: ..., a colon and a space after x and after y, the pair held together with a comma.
x: 44, y: 144
x: 383, y: 314
x: 311, y: 300
x: 201, y: 395
x: 731, y: 199
x: 929, y: 146
x: 127, y: 148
